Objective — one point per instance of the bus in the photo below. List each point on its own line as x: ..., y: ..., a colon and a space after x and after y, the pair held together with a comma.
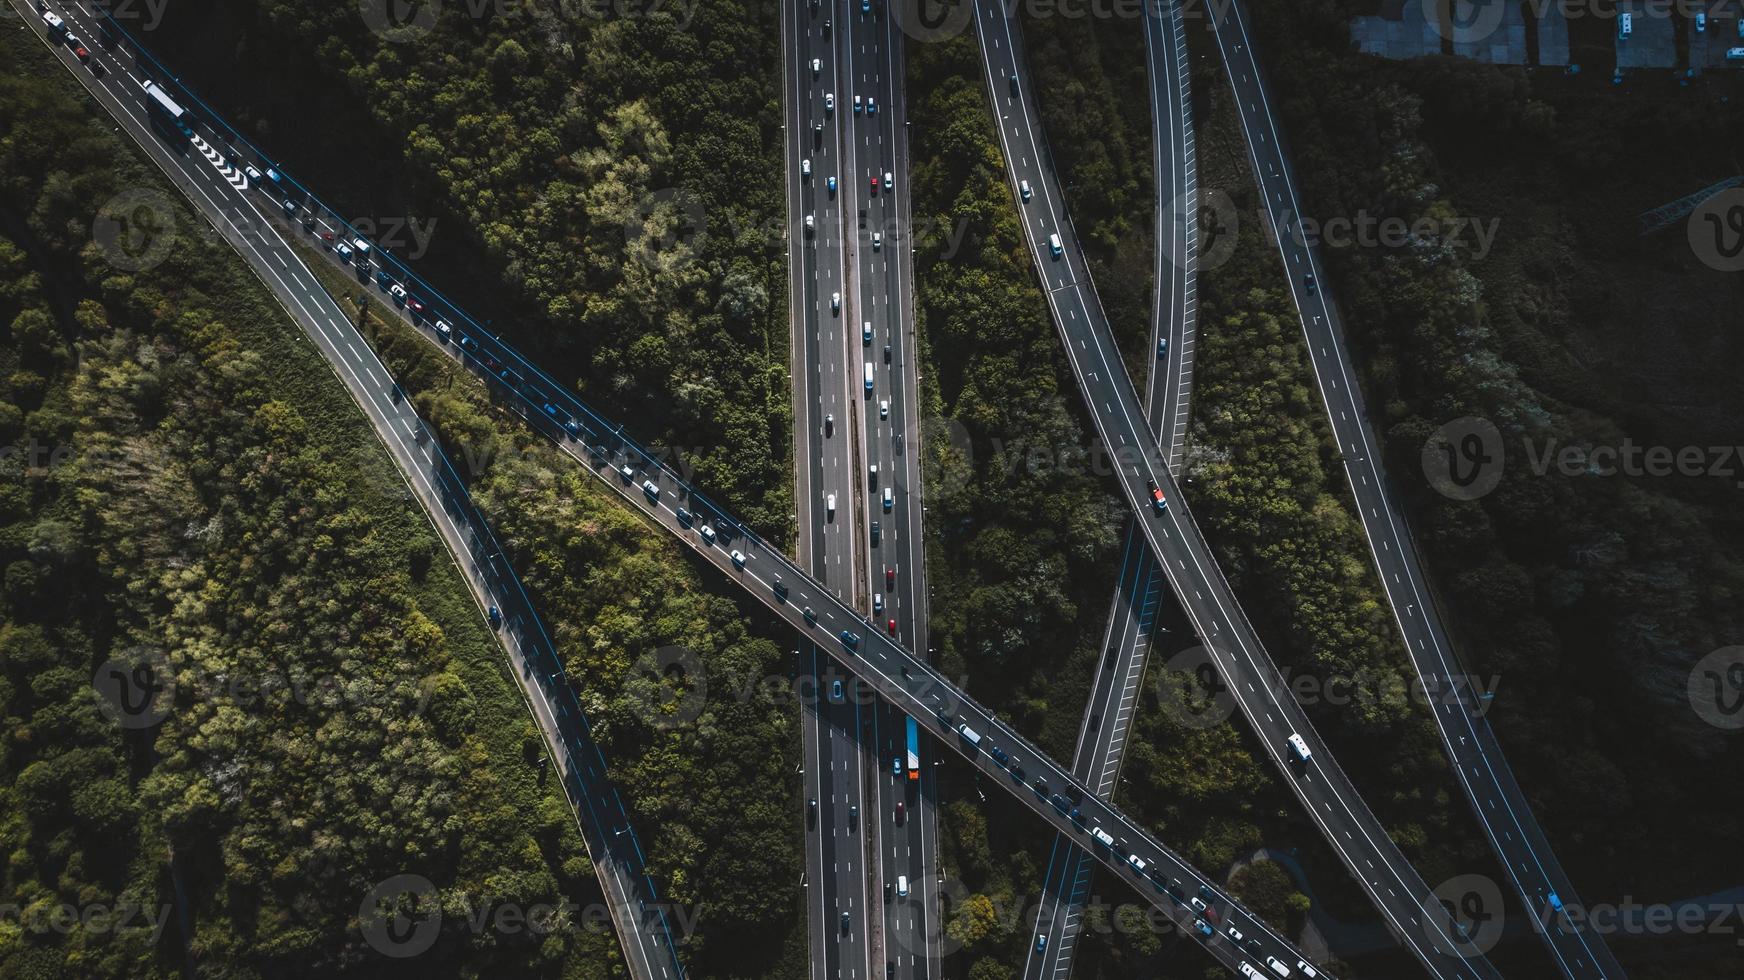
x: 165, y: 111
x: 913, y: 750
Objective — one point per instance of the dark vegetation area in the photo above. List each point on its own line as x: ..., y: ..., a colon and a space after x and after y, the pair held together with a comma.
x: 1023, y: 536
x: 184, y: 475
x: 604, y: 188
x: 1588, y: 598
x: 702, y: 751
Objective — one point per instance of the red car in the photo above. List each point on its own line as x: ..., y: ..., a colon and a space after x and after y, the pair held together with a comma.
x: 890, y: 578
x: 891, y: 627
x: 874, y: 184
x: 416, y: 305
x: 899, y: 811
x: 80, y: 53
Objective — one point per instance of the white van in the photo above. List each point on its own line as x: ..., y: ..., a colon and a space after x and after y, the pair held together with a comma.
x: 830, y: 506
x: 1300, y: 747
x: 1054, y: 245
x: 902, y: 886
x: 1277, y: 967
x: 868, y: 379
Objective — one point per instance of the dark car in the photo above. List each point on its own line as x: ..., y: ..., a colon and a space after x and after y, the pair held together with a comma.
x: 845, y: 922
x: 876, y: 533
x: 1014, y: 84
x: 1309, y: 283
x: 811, y: 813
x: 496, y: 617
x: 887, y: 353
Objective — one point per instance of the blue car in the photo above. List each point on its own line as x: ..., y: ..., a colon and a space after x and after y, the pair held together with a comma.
x: 850, y: 640
x: 1203, y: 927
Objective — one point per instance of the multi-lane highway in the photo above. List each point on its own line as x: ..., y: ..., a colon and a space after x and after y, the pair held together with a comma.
x: 839, y: 767
x: 1138, y: 595
x: 1406, y: 902
x: 1489, y: 785
x: 221, y: 191
x: 642, y: 481
x: 874, y: 149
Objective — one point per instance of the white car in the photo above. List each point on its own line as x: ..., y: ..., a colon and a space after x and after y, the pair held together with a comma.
x: 830, y: 506
x: 866, y: 332
x: 877, y: 602
x: 443, y: 330
x: 398, y: 292
x: 805, y: 168
x: 835, y: 302
x: 810, y: 224
x: 1307, y: 970
x: 857, y: 106
x: 1277, y: 967
x: 832, y: 185
x: 252, y: 173
x: 708, y: 534
x: 884, y: 408
x: 829, y: 102
x: 344, y: 252
x: 889, y: 181
x: 738, y: 558
x: 877, y: 241
x: 650, y: 489
x: 1137, y: 863
x: 817, y: 65
x: 1234, y: 934
x: 871, y: 106
x: 1023, y: 190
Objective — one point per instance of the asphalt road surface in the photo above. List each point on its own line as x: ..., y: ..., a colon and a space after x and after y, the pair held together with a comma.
x: 1489, y: 785
x: 1414, y: 912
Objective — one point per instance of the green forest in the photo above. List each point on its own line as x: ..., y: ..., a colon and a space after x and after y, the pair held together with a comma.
x: 187, y: 482
x: 1589, y: 600
x: 599, y: 187
x: 704, y: 755
x: 1590, y: 597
